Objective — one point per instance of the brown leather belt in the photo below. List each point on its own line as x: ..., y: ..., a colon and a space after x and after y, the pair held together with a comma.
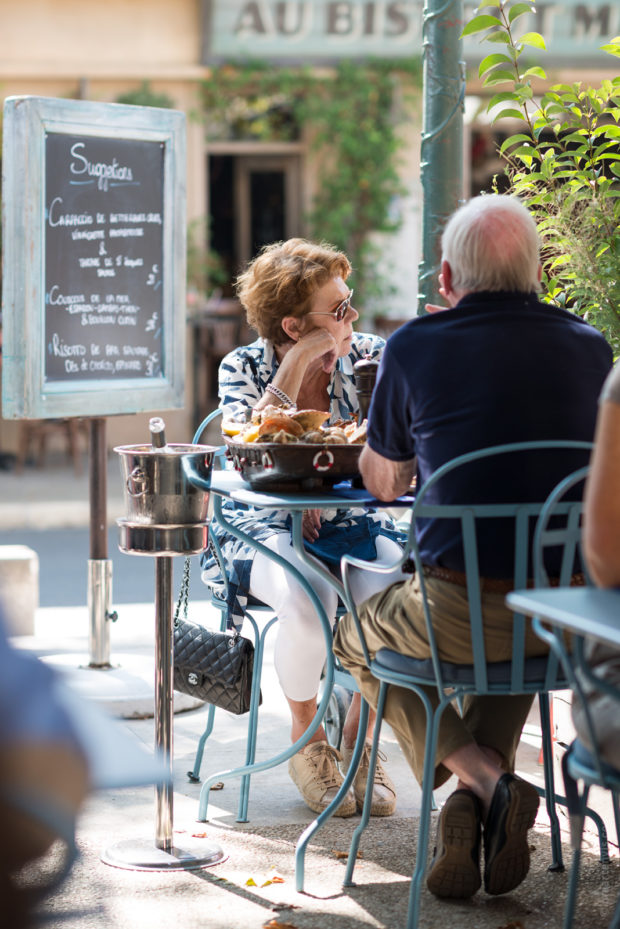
x: 495, y: 585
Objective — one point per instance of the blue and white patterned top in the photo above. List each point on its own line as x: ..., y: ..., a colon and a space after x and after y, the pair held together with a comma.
x: 243, y: 377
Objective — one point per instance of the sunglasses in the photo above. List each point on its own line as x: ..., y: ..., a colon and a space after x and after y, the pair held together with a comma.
x: 339, y: 313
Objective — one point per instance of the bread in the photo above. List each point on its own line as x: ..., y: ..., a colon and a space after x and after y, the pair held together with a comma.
x: 276, y: 422
x: 310, y: 420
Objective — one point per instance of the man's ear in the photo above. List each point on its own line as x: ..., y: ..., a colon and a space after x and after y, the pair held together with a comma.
x: 446, y: 278
x: 291, y: 326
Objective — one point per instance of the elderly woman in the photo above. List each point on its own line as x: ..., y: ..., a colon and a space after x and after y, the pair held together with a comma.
x: 295, y: 296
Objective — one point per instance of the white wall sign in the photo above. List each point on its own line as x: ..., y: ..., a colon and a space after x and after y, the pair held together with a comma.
x: 305, y: 31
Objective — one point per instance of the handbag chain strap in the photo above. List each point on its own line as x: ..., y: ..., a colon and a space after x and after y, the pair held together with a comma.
x: 184, y: 592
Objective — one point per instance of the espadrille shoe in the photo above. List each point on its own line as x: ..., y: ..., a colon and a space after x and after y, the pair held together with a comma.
x: 315, y: 772
x: 383, y: 793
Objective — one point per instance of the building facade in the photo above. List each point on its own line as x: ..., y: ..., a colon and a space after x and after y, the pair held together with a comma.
x: 244, y: 191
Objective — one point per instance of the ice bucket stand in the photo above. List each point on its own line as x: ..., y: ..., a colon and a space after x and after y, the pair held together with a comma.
x: 163, y: 543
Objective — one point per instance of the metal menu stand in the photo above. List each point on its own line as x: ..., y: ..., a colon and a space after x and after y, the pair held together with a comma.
x: 167, y: 517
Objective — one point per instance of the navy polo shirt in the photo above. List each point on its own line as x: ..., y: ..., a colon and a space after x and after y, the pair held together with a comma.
x: 497, y: 368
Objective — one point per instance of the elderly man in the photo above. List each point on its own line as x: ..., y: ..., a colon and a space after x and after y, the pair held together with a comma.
x: 495, y: 366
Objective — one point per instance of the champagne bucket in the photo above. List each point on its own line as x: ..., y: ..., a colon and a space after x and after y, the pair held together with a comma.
x: 157, y: 491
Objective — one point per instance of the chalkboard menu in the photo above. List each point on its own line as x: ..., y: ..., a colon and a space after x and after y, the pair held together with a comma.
x: 94, y: 252
x: 103, y: 258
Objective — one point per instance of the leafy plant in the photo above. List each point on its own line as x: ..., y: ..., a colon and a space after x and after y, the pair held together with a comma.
x: 205, y: 269
x: 352, y: 115
x: 564, y: 163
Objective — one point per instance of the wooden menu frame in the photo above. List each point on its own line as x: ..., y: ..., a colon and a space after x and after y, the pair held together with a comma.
x: 94, y: 258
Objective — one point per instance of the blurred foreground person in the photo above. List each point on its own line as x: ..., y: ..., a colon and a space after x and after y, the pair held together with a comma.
x: 43, y: 778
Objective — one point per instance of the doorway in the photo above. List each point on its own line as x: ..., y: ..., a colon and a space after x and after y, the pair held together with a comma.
x: 254, y: 200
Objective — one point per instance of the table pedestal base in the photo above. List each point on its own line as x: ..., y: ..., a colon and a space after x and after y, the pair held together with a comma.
x: 142, y: 855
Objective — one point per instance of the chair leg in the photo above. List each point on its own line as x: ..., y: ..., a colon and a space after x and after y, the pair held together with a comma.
x: 302, y: 842
x: 602, y: 834
x: 433, y: 720
x: 361, y: 736
x: 260, y: 766
x: 250, y: 752
x: 251, y: 737
x: 571, y: 892
x: 577, y: 816
x: 616, y: 809
x: 557, y: 863
x: 194, y: 774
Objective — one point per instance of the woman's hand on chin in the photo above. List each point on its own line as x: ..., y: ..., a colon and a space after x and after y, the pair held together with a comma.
x: 328, y: 361
x: 316, y: 348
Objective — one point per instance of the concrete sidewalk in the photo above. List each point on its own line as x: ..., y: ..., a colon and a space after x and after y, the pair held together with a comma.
x: 255, y: 886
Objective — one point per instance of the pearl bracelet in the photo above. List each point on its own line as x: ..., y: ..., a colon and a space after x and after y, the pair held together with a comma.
x: 281, y: 396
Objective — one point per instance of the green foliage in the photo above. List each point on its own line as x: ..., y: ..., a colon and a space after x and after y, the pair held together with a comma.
x: 144, y: 95
x: 564, y: 164
x: 352, y: 115
x: 205, y: 268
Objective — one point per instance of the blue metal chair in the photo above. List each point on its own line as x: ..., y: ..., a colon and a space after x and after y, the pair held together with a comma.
x: 521, y: 675
x: 218, y: 600
x: 559, y: 525
x: 338, y: 700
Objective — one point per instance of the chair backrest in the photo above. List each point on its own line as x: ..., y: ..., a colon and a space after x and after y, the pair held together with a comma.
x: 559, y: 526
x: 507, y: 517
x: 558, y: 530
x: 220, y: 454
x: 219, y: 593
x: 220, y: 598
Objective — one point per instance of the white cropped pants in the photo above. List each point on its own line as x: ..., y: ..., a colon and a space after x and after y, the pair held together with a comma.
x: 300, y: 648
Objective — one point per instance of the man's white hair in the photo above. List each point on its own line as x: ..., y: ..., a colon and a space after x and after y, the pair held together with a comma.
x: 491, y: 243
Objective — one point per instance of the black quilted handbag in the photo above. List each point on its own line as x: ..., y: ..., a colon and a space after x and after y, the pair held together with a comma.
x: 212, y: 666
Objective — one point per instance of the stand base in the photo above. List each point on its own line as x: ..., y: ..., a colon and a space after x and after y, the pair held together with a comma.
x: 141, y: 855
x: 123, y: 690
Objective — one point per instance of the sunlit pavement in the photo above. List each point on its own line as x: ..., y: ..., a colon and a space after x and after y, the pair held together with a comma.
x: 255, y: 885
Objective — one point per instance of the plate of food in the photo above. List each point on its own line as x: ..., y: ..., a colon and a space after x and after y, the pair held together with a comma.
x: 288, y: 449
